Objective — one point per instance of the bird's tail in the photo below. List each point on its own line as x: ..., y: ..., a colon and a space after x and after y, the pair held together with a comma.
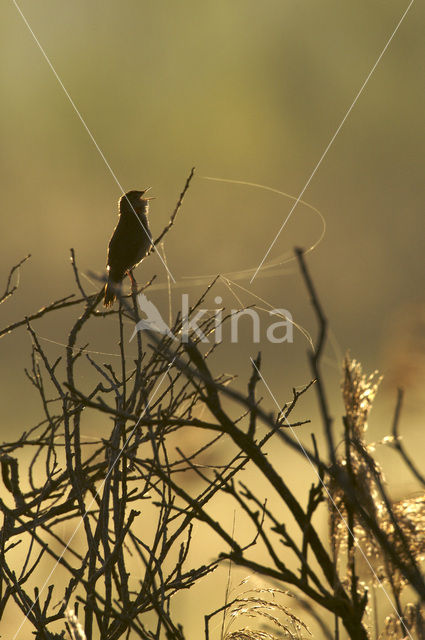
x: 111, y: 289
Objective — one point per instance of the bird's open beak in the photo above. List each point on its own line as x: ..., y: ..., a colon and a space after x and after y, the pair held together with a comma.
x: 142, y: 197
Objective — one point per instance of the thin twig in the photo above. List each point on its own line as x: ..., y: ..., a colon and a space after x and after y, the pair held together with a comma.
x: 9, y: 291
x: 175, y: 212
x: 397, y: 442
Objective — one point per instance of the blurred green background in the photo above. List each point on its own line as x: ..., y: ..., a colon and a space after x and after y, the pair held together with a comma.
x: 241, y: 90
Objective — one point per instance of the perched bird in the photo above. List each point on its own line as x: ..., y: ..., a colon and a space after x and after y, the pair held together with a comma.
x: 130, y: 241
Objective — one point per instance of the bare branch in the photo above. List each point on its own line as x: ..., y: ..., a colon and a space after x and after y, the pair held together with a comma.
x: 175, y: 212
x: 10, y: 289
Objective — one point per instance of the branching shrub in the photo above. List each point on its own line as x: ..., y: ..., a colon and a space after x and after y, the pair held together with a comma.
x: 120, y: 577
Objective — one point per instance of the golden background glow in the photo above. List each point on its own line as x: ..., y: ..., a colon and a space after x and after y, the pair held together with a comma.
x: 241, y: 90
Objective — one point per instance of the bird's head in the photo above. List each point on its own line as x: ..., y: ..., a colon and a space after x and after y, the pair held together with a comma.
x: 135, y: 201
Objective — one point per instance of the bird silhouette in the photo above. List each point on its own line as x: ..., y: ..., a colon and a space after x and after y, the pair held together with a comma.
x: 130, y: 241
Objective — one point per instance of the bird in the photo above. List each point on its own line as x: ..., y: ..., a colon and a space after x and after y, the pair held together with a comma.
x: 130, y: 241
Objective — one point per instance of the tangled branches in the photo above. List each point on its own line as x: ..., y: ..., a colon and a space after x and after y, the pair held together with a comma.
x: 114, y: 516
